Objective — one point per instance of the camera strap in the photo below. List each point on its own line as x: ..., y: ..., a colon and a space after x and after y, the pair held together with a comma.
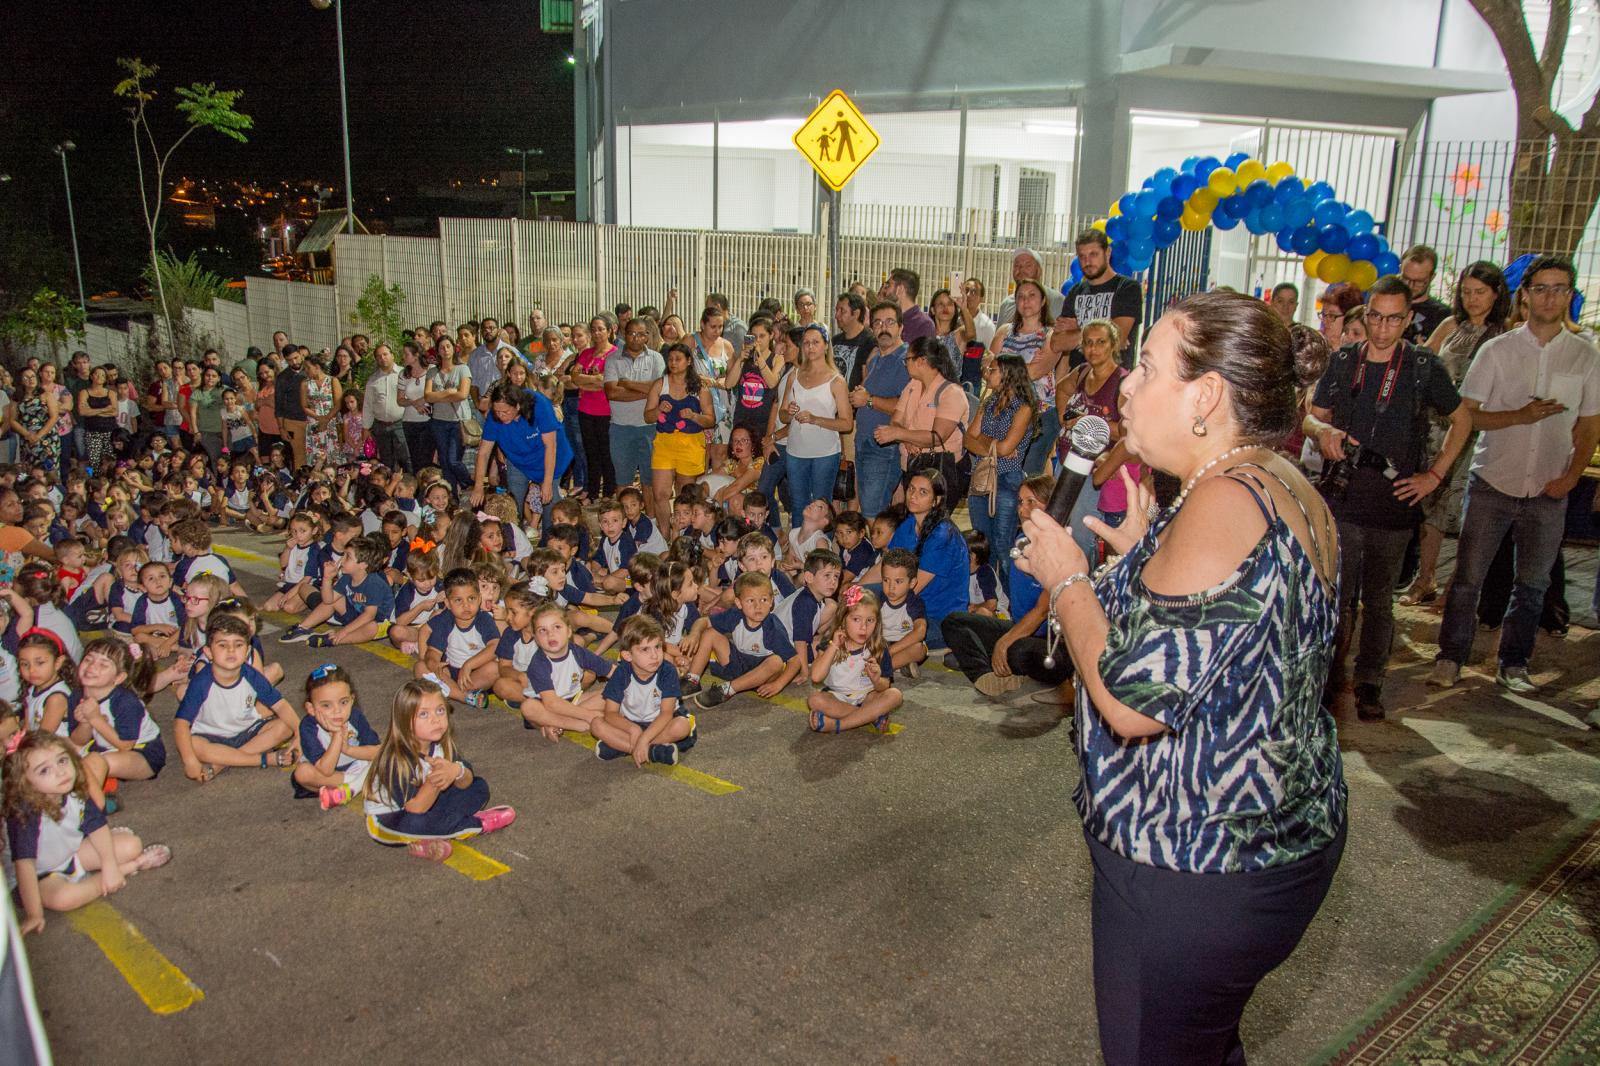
x: 1391, y: 374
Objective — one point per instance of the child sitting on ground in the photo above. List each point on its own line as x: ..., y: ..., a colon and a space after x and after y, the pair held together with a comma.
x: 552, y: 580
x: 416, y: 601
x: 808, y: 535
x: 419, y: 792
x: 810, y: 609
x: 750, y: 647
x: 516, y: 647
x: 755, y: 556
x: 643, y: 713
x: 358, y: 601
x: 556, y: 677
x: 292, y: 562
x: 616, y: 548
x: 646, y: 537
x: 904, y: 621
x: 46, y: 673
x: 337, y: 744
x: 108, y: 714
x: 982, y: 594
x: 854, y: 669
x: 458, y: 644
x: 157, y: 614
x: 856, y: 552
x: 231, y: 715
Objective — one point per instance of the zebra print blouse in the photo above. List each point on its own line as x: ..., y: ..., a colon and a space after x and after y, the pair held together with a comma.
x: 1248, y: 775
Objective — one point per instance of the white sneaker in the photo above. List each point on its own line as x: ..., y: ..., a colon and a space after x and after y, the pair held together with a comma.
x: 1445, y: 673
x: 1515, y: 679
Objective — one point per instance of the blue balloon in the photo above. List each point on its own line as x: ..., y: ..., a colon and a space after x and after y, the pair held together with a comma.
x: 1189, y: 164
x: 1286, y: 240
x: 1235, y: 159
x: 1125, y: 202
x: 1169, y: 207
x: 1386, y: 263
x: 1288, y: 190
x: 1163, y: 180
x: 1298, y: 213
x: 1114, y: 228
x: 1272, y: 217
x: 1383, y: 244
x: 1207, y: 164
x: 1358, y: 222
x: 1077, y: 276
x: 1167, y: 230
x: 1320, y: 190
x: 1139, y: 227
x: 1223, y: 221
x: 1235, y: 206
x: 1140, y: 248
x: 1328, y: 213
x: 1184, y: 185
x: 1252, y: 222
x: 1147, y: 184
x: 1305, y: 240
x: 1362, y: 246
x: 1259, y: 193
x: 1144, y: 205
x: 1332, y: 238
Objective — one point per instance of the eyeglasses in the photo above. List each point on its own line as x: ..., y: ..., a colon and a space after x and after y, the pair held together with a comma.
x: 1548, y: 290
x: 883, y: 322
x: 1390, y: 320
x: 1325, y: 315
x: 189, y: 597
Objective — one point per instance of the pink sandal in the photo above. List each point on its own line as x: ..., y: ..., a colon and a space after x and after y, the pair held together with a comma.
x: 152, y: 857
x: 496, y: 818
x: 432, y: 850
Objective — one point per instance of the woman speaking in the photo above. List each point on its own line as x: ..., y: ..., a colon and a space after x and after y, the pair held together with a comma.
x: 1212, y: 792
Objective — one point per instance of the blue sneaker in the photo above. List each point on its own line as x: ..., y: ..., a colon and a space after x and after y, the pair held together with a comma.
x: 294, y: 635
x: 319, y: 640
x: 665, y: 754
x: 605, y: 752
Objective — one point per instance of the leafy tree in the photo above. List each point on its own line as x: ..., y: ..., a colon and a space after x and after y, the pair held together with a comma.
x: 202, y: 106
x: 378, y: 309
x: 47, y: 314
x: 1555, y: 176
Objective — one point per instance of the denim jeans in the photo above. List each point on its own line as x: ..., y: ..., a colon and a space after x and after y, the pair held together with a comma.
x: 1001, y: 527
x: 877, y: 474
x: 777, y: 487
x: 811, y: 479
x: 518, y: 484
x: 447, y: 442
x: 578, y: 469
x: 630, y: 452
x: 1043, y: 444
x: 1369, y: 566
x: 1536, y: 524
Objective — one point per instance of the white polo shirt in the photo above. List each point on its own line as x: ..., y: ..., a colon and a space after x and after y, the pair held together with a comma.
x: 1512, y: 369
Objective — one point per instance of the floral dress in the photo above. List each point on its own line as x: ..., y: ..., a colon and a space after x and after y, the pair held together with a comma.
x: 321, y: 442
x: 33, y: 413
x: 351, y: 438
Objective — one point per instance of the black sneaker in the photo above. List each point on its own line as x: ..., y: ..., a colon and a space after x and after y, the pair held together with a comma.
x: 319, y: 640
x: 605, y: 752
x: 294, y: 635
x: 665, y: 754
x: 715, y: 695
x: 1369, y: 703
x: 688, y: 685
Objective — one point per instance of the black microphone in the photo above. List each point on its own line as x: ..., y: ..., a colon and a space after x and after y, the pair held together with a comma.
x: 1090, y: 436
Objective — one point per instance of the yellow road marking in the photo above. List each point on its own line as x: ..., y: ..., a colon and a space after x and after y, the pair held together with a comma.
x: 241, y: 553
x: 470, y: 862
x: 164, y: 988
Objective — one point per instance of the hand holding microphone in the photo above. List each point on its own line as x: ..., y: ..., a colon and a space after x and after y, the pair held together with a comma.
x: 1090, y: 436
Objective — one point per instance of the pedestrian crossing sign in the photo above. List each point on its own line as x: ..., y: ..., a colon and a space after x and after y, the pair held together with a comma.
x: 836, y: 140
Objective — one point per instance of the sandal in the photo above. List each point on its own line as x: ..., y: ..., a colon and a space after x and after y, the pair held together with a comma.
x: 432, y: 850
x: 1413, y: 598
x: 150, y: 858
x: 882, y: 723
x: 281, y: 758
x: 208, y: 773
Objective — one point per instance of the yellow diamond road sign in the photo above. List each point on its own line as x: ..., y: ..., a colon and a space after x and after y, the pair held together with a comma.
x: 836, y: 139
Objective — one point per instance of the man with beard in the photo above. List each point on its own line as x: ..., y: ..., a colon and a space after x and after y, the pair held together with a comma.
x: 1103, y: 293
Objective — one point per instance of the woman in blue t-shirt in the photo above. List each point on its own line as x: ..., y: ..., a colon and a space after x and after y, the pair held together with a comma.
x: 523, y: 426
x: 942, y: 561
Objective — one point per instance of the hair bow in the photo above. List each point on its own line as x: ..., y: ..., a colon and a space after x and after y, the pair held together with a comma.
x: 365, y: 468
x: 325, y: 669
x: 135, y: 652
x: 852, y: 595
x: 15, y: 741
x: 421, y: 544
x: 484, y: 516
x: 444, y: 689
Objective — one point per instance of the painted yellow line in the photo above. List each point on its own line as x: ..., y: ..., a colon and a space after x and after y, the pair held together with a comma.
x: 470, y: 862
x: 164, y: 988
x: 241, y: 553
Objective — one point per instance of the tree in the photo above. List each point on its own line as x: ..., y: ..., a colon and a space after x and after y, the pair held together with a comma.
x: 1555, y: 175
x: 202, y: 107
x: 47, y: 314
x: 184, y: 283
x: 378, y: 309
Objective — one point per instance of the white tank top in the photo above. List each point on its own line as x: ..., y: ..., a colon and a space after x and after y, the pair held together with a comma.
x: 812, y: 441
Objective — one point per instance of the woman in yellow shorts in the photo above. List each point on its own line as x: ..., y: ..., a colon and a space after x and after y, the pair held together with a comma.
x: 680, y: 404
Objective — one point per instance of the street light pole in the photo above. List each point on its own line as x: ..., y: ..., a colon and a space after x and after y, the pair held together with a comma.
x: 344, y: 115
x: 72, y: 223
x: 524, y: 152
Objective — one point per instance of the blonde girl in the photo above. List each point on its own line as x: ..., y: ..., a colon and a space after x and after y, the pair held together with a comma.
x: 853, y: 669
x: 58, y: 832
x: 557, y: 677
x: 418, y: 792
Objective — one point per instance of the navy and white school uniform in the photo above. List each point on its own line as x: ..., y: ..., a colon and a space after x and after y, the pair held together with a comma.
x: 781, y: 585
x: 750, y: 647
x: 638, y: 698
x: 707, y: 539
x: 520, y: 547
x: 282, y: 504
x: 563, y: 597
x: 322, y: 551
x: 227, y: 714
x: 398, y: 556
x: 157, y: 545
x: 799, y: 545
x: 125, y: 597
x: 190, y: 567
x: 451, y: 816
x: 677, y: 627
x: 131, y: 720
x: 86, y: 610
x: 458, y: 645
x: 50, y: 617
x: 646, y: 537
x: 516, y: 649
x: 798, y: 615
x: 238, y: 499
x: 860, y: 559
x: 33, y: 702
x: 728, y: 572
x: 10, y: 679
x: 579, y: 582
x: 847, y: 678
x: 617, y: 554
x: 407, y: 597
x: 53, y: 843
x: 564, y: 676
x: 629, y: 608
x: 409, y: 507
x: 294, y: 568
x: 137, y: 531
x: 373, y: 591
x: 314, y: 742
x: 167, y: 612
x: 898, y: 618
x: 982, y: 586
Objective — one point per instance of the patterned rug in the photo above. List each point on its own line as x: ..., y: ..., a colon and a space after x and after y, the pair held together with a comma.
x: 1521, y: 986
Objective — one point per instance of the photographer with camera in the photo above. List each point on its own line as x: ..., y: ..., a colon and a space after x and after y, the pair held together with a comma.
x: 1369, y: 416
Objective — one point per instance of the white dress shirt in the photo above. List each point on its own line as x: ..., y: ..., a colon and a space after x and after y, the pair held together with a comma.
x: 382, y: 402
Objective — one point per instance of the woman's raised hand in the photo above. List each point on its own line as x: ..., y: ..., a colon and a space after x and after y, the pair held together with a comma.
x: 1134, y: 524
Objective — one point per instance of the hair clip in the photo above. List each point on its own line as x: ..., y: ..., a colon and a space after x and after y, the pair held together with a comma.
x: 852, y: 595
x: 484, y: 516
x: 324, y: 670
x: 444, y: 689
x: 15, y: 741
x: 135, y: 652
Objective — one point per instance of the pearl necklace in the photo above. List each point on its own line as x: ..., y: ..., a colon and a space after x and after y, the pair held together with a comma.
x: 1177, y: 503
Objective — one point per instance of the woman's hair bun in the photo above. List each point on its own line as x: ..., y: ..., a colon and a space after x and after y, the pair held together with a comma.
x: 1308, y: 355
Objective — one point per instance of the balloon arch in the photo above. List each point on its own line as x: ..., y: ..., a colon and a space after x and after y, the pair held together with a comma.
x: 1339, y: 243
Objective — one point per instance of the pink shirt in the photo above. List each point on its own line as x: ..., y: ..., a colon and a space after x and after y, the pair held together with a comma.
x: 593, y: 401
x: 918, y: 412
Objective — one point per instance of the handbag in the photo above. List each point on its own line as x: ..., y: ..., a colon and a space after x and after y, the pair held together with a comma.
x: 986, y: 477
x: 471, y: 428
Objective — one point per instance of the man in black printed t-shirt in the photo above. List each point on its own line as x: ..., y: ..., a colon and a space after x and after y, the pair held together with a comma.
x: 1417, y: 268
x: 1103, y: 293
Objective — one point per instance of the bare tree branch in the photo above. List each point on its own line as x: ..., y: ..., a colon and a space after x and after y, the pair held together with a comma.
x: 1555, y: 42
x: 1535, y: 117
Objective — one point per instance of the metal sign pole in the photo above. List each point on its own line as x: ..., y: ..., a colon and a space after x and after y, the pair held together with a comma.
x: 834, y: 281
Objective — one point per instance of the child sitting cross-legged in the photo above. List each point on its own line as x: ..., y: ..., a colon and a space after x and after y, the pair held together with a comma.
x: 230, y: 714
x: 810, y: 609
x: 157, y: 615
x: 336, y: 741
x: 458, y: 643
x: 419, y: 792
x: 357, y: 599
x: 749, y: 645
x: 517, y: 646
x: 982, y: 588
x: 556, y: 677
x: 644, y: 715
x: 755, y: 556
x: 416, y: 601
x: 108, y: 714
x: 854, y: 669
x: 552, y: 580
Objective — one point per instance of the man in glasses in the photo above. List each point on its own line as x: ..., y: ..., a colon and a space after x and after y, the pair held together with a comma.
x: 1534, y: 394
x: 1417, y: 268
x: 1370, y: 417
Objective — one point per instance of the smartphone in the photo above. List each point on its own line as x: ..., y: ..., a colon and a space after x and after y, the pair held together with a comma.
x: 957, y: 279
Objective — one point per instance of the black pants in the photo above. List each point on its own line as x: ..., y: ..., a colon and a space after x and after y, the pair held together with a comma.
x: 390, y: 440
x: 420, y: 451
x: 972, y: 639
x: 1369, y: 565
x: 1178, y: 955
x: 602, y: 476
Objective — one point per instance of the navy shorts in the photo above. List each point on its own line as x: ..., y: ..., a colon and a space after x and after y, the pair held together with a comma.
x: 738, y: 665
x: 155, y: 756
x: 238, y: 740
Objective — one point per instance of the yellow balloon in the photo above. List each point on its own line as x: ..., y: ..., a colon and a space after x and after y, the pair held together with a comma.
x: 1334, y: 268
x: 1251, y: 170
x: 1203, y: 201
x: 1116, y: 209
x: 1193, y: 221
x: 1099, y: 224
x: 1223, y: 182
x: 1362, y: 274
x: 1278, y: 171
x: 1313, y: 261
